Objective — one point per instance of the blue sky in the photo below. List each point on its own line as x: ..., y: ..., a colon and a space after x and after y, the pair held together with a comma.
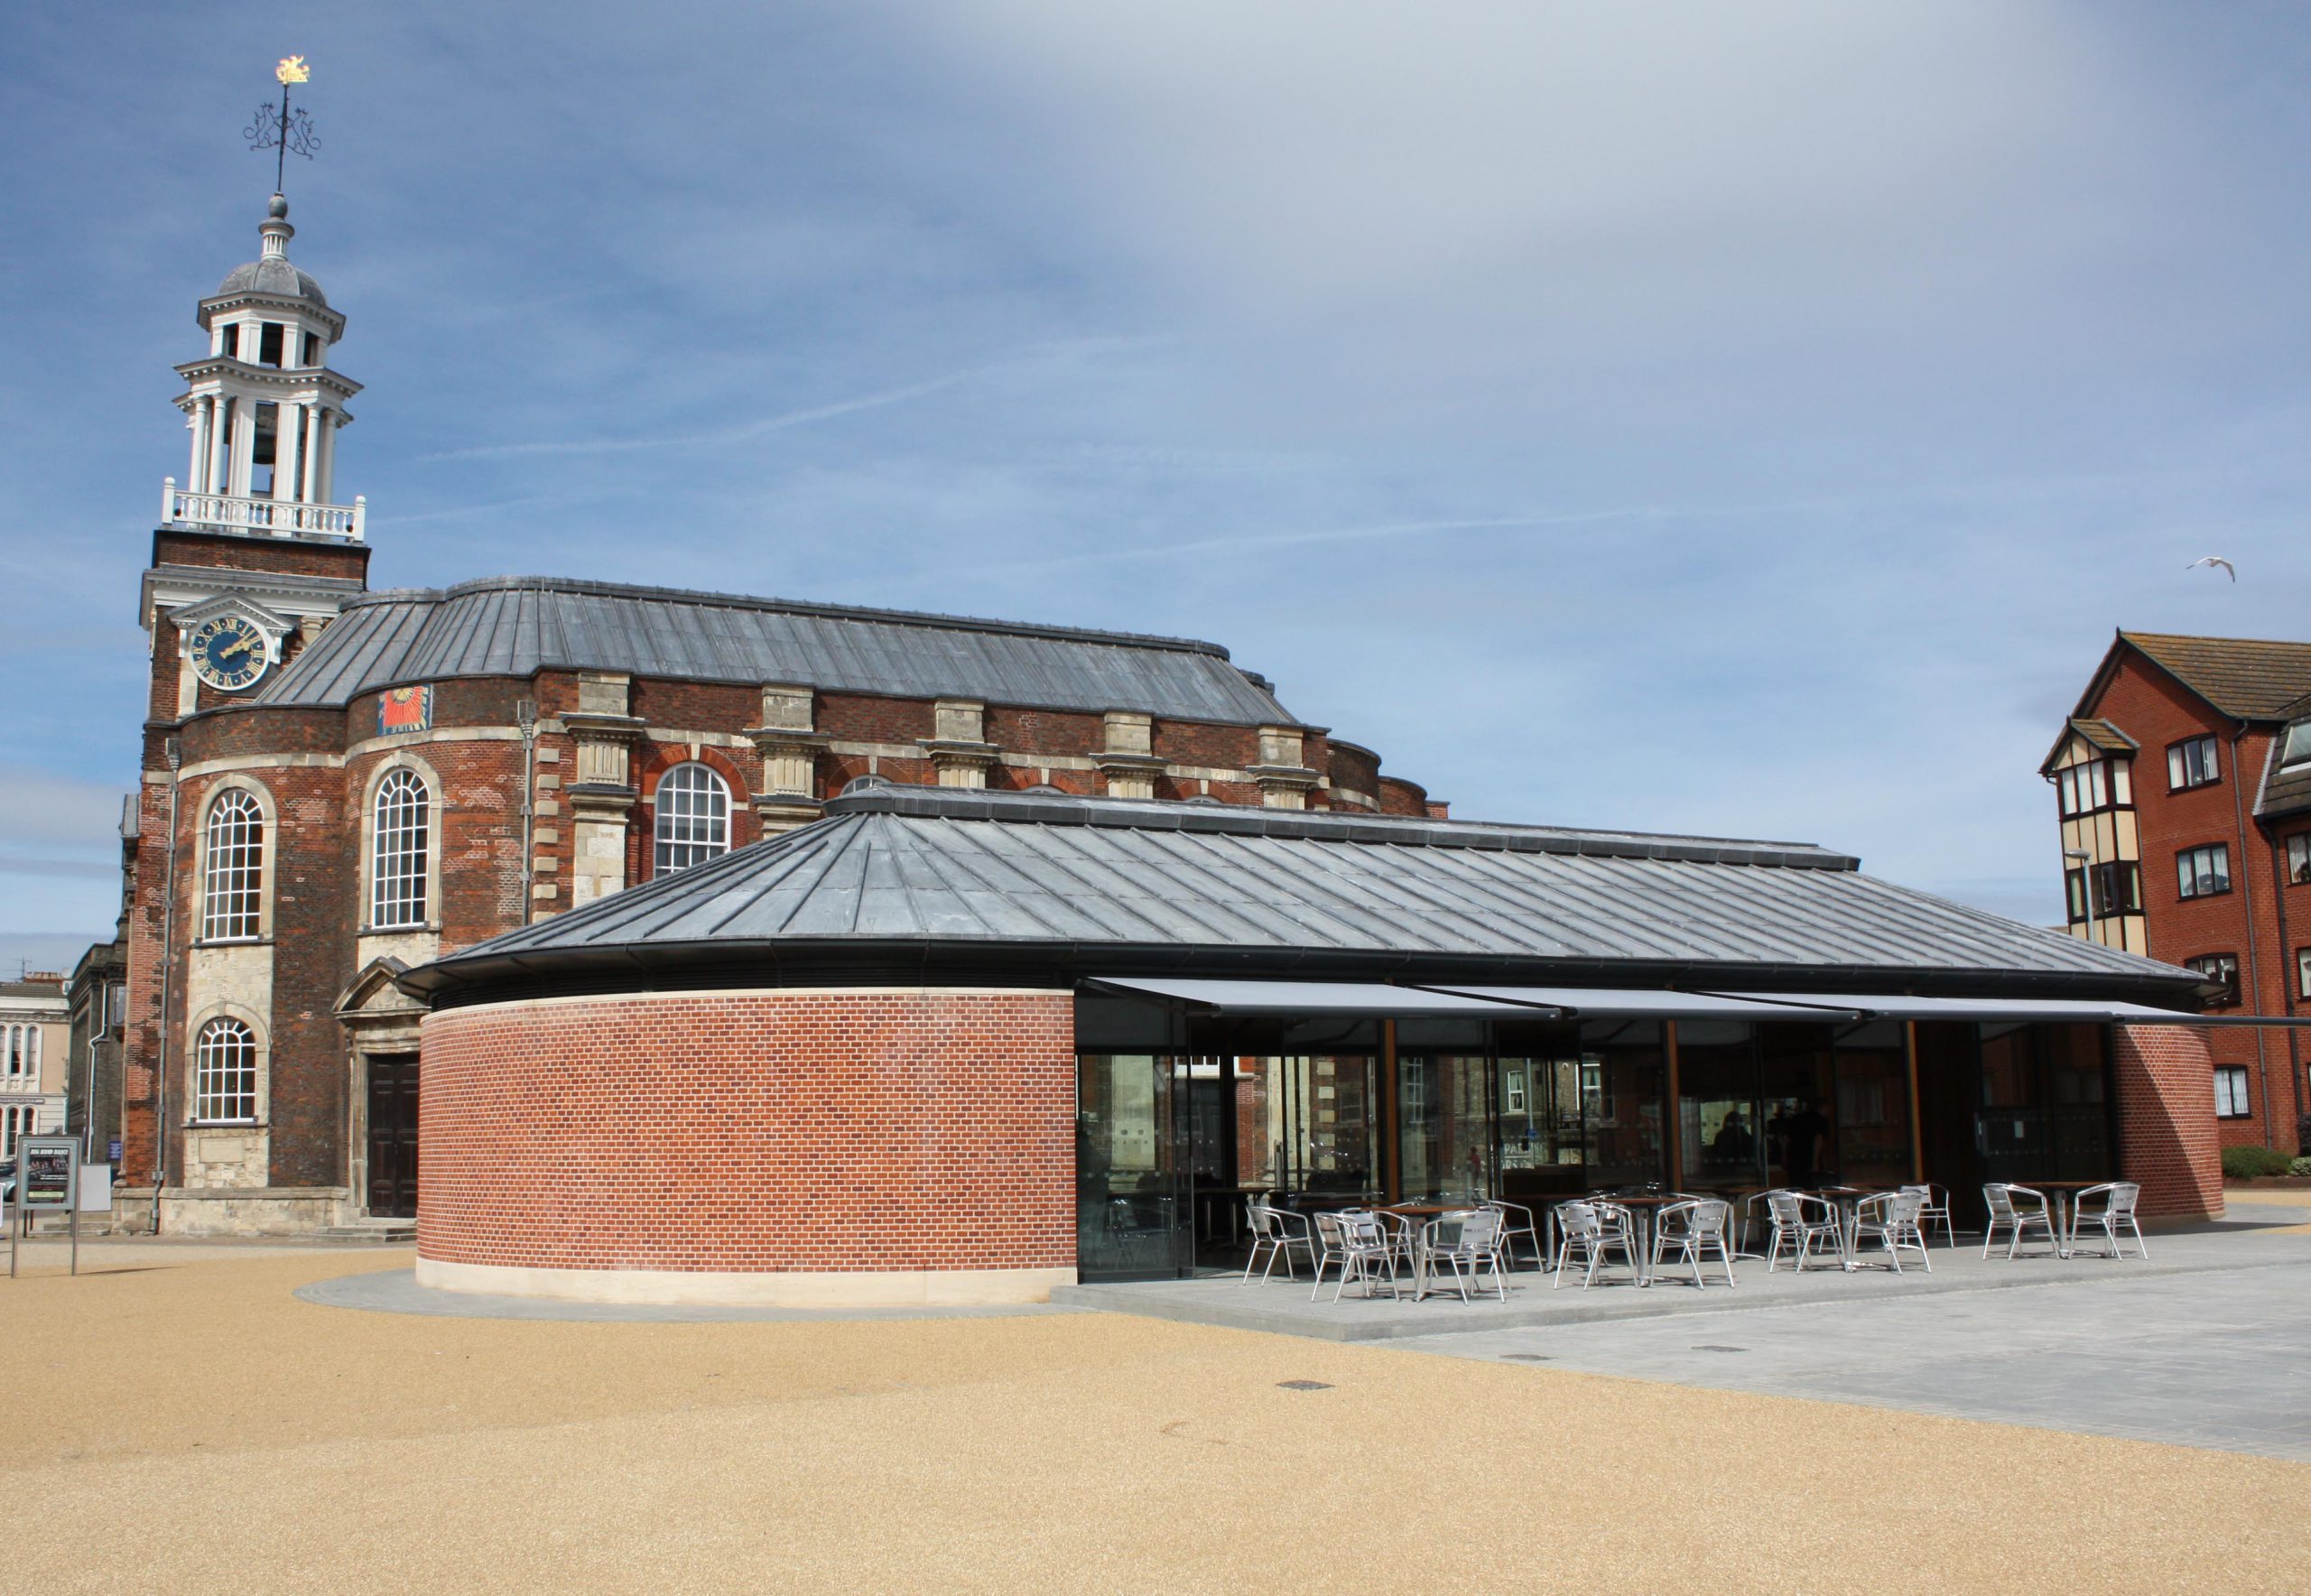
x: 1742, y: 418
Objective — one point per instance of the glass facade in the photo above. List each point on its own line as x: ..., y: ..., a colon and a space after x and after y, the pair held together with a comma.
x: 1174, y: 1139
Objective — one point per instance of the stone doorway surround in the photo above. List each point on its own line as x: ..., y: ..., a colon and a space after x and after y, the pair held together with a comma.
x: 378, y: 1018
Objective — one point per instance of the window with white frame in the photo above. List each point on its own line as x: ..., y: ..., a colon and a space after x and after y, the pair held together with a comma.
x: 400, y: 846
x: 2193, y: 764
x: 693, y: 817
x: 2203, y: 872
x: 224, y: 1072
x: 233, y: 886
x: 2231, y: 1100
x: 2296, y: 749
x: 2099, y: 784
x: 24, y: 1050
x: 2298, y: 859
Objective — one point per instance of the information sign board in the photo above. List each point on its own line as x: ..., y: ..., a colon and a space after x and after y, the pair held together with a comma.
x: 48, y: 1179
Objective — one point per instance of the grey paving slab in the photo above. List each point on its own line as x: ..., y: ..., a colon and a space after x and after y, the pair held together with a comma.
x: 2211, y: 1358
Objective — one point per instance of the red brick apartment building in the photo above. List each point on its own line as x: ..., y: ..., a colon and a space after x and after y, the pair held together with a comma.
x: 2184, y: 785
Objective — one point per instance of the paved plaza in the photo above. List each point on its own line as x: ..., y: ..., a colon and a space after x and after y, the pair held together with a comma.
x: 210, y: 1415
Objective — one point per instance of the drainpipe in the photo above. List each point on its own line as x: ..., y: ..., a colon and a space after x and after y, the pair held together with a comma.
x: 2289, y: 989
x: 174, y: 752
x: 525, y: 713
x: 2254, y: 960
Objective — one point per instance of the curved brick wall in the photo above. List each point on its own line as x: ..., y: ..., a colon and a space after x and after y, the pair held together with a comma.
x: 838, y: 1148
x: 2167, y: 1129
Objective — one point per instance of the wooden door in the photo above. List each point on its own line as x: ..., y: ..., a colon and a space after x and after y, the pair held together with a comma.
x: 393, y: 1135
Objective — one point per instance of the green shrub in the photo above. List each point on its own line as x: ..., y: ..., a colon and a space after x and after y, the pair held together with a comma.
x: 2247, y: 1163
x: 2300, y: 1166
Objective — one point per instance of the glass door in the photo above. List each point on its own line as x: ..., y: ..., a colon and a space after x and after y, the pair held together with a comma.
x: 1133, y: 1194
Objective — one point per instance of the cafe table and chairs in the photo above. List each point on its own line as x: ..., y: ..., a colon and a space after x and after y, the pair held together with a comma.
x: 2110, y: 1209
x: 1890, y: 1218
x: 1586, y: 1232
x: 1806, y: 1225
x: 1639, y: 1211
x: 1695, y: 1227
x: 2021, y: 1212
x: 2063, y: 1195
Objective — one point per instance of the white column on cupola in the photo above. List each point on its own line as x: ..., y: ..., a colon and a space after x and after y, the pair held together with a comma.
x: 220, y: 412
x: 242, y: 464
x: 198, y: 421
x: 312, y: 454
x: 288, y: 427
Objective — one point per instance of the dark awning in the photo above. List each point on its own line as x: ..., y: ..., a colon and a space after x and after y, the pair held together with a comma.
x: 1619, y: 1002
x: 2090, y: 1010
x: 1366, y: 998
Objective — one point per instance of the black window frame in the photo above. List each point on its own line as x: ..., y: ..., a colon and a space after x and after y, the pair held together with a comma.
x: 2218, y: 966
x: 2178, y: 762
x: 2108, y: 876
x: 2245, y: 1093
x: 2222, y: 854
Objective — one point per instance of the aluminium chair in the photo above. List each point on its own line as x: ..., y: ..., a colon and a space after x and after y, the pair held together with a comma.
x: 1354, y: 1239
x: 1805, y: 1225
x: 1275, y: 1233
x: 1935, y: 1210
x: 1516, y: 1219
x: 2114, y: 1213
x: 1890, y: 1218
x: 1694, y: 1227
x: 1592, y: 1229
x: 1463, y: 1243
x: 2022, y: 1212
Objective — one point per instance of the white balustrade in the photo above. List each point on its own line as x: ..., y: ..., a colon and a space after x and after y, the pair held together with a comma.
x: 263, y: 516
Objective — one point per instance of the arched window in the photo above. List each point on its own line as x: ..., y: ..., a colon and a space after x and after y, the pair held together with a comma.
x: 233, y: 890
x: 400, y: 845
x: 693, y: 808
x: 224, y: 1072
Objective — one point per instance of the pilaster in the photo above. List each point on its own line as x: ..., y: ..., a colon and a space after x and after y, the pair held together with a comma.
x: 789, y: 745
x: 1126, y: 757
x: 1284, y: 779
x: 960, y: 751
x: 602, y: 796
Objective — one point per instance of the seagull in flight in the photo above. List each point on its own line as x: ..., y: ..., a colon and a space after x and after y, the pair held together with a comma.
x: 2214, y: 560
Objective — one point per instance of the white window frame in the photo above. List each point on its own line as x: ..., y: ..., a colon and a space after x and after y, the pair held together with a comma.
x: 401, y: 848
x: 2298, y: 859
x: 2302, y: 972
x: 233, y: 866
x: 2180, y: 776
x: 2230, y: 1088
x: 2208, y: 862
x: 2296, y: 750
x: 224, y: 1073
x: 689, y: 820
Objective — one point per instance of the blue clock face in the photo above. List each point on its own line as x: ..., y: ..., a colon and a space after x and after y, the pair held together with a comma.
x: 229, y: 653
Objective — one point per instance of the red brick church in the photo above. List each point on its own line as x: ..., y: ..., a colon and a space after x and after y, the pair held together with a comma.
x: 340, y: 784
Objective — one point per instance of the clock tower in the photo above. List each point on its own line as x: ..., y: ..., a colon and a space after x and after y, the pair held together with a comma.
x: 253, y: 555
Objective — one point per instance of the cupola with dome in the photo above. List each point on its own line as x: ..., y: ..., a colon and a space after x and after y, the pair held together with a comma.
x: 263, y: 405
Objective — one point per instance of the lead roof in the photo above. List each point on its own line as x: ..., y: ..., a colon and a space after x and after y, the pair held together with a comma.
x: 515, y: 625
x: 1094, y: 884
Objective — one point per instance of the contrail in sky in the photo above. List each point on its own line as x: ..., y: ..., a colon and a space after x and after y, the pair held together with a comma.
x: 754, y: 429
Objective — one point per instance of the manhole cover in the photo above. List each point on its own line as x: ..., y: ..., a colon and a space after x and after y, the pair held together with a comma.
x: 1302, y: 1386
x: 1707, y: 1347
x: 1526, y: 1357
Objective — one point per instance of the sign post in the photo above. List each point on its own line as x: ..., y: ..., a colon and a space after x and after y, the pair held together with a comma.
x: 48, y: 1180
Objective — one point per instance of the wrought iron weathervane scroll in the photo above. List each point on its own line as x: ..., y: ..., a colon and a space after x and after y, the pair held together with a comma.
x: 279, y: 128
